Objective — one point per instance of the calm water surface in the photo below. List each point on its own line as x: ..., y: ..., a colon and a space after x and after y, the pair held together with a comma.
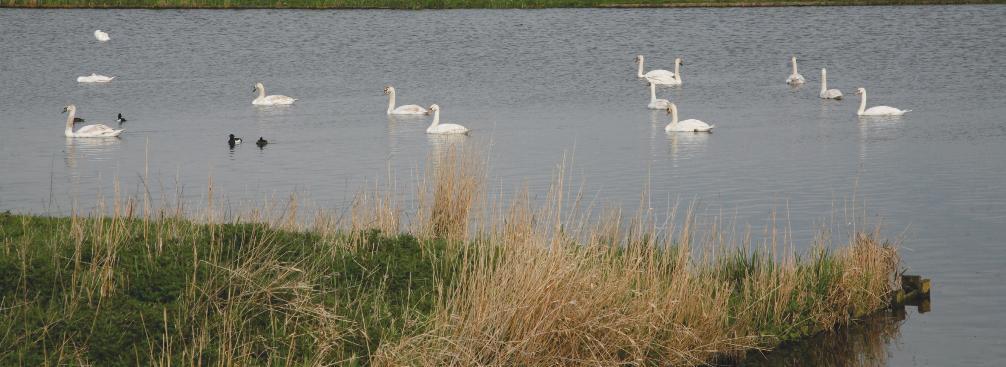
x: 534, y: 85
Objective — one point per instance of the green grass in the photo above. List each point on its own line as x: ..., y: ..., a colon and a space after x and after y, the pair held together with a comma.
x: 452, y: 4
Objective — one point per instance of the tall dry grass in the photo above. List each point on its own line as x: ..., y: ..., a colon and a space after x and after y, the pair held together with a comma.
x: 494, y: 279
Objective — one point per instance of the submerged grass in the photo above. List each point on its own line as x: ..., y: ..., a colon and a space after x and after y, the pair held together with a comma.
x: 477, y: 282
x: 452, y: 4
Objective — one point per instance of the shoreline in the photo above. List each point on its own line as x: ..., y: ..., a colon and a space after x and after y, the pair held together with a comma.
x: 443, y: 5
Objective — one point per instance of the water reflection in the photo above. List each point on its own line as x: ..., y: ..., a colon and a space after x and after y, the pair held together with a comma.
x: 864, y: 344
x: 88, y: 149
x: 686, y: 145
x: 877, y: 129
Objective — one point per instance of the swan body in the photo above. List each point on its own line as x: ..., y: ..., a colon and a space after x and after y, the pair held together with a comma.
x: 437, y: 128
x: 273, y: 100
x: 89, y: 131
x: 689, y: 125
x: 657, y: 104
x: 825, y: 92
x: 94, y: 78
x: 876, y: 110
x: 101, y: 36
x: 409, y: 109
x: 658, y: 76
x: 795, y: 78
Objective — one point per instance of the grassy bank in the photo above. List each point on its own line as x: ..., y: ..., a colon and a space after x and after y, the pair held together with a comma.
x: 454, y: 4
x: 470, y: 282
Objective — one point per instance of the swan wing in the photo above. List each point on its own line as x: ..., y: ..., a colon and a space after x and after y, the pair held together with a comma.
x: 448, y: 129
x: 831, y: 94
x: 97, y: 131
x: 694, y: 125
x: 410, y: 109
x: 884, y: 111
x: 279, y: 99
x: 795, y: 79
x: 659, y: 75
x: 660, y: 104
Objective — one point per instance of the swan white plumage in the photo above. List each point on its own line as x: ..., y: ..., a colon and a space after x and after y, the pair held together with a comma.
x: 101, y: 36
x: 876, y: 110
x: 795, y: 78
x: 656, y: 104
x: 676, y: 80
x: 273, y: 100
x: 437, y: 128
x: 658, y: 76
x: 409, y: 109
x: 94, y: 78
x: 689, y: 125
x: 89, y: 131
x: 825, y: 92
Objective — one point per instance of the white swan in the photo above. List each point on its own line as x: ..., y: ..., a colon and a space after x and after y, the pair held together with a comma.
x: 677, y: 73
x: 876, y: 110
x: 795, y: 78
x: 89, y: 131
x: 437, y: 128
x: 101, y: 36
x: 690, y: 125
x: 409, y: 109
x: 825, y: 92
x: 656, y: 104
x: 94, y: 78
x: 273, y: 100
x: 658, y: 76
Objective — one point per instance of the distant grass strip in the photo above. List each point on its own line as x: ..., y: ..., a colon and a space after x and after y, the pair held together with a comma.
x: 454, y: 4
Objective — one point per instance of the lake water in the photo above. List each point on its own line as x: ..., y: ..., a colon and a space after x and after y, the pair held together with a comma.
x: 533, y: 85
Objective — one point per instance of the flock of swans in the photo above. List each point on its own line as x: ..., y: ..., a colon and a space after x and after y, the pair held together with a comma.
x: 653, y: 77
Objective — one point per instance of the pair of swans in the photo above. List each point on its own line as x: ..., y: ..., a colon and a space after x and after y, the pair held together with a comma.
x: 101, y: 36
x: 796, y: 79
x: 273, y: 100
x: 89, y: 131
x: 437, y: 128
x: 94, y: 78
x: 689, y: 125
x: 660, y: 76
x: 409, y: 109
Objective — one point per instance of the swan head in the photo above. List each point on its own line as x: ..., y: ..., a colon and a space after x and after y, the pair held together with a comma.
x: 69, y: 108
x: 257, y: 87
x: 679, y: 61
x: 388, y: 90
x: 638, y: 59
x: 671, y: 107
x: 860, y: 91
x: 434, y: 107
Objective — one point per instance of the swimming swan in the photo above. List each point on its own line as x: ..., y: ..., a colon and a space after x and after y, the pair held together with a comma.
x: 690, y: 125
x: 658, y: 76
x: 795, y: 78
x: 89, y: 131
x: 437, y: 128
x: 677, y: 72
x: 409, y: 109
x: 876, y: 110
x: 656, y: 104
x: 101, y: 36
x: 94, y: 78
x: 825, y: 92
x: 273, y: 100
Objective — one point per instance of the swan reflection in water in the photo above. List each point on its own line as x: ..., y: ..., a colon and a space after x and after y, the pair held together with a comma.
x: 877, y: 129
x: 686, y: 145
x: 89, y: 149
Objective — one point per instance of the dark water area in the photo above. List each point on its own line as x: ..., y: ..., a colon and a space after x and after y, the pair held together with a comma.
x: 533, y: 86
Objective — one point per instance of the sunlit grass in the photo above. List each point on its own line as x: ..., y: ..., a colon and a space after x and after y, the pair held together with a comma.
x: 477, y: 280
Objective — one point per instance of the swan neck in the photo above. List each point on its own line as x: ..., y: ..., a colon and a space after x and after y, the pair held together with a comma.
x: 674, y: 115
x: 261, y: 91
x: 824, y: 80
x: 436, y: 119
x: 69, y: 121
x: 677, y: 70
x: 794, y: 66
x: 391, y: 102
x: 653, y: 92
x: 862, y: 101
x: 640, y: 73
